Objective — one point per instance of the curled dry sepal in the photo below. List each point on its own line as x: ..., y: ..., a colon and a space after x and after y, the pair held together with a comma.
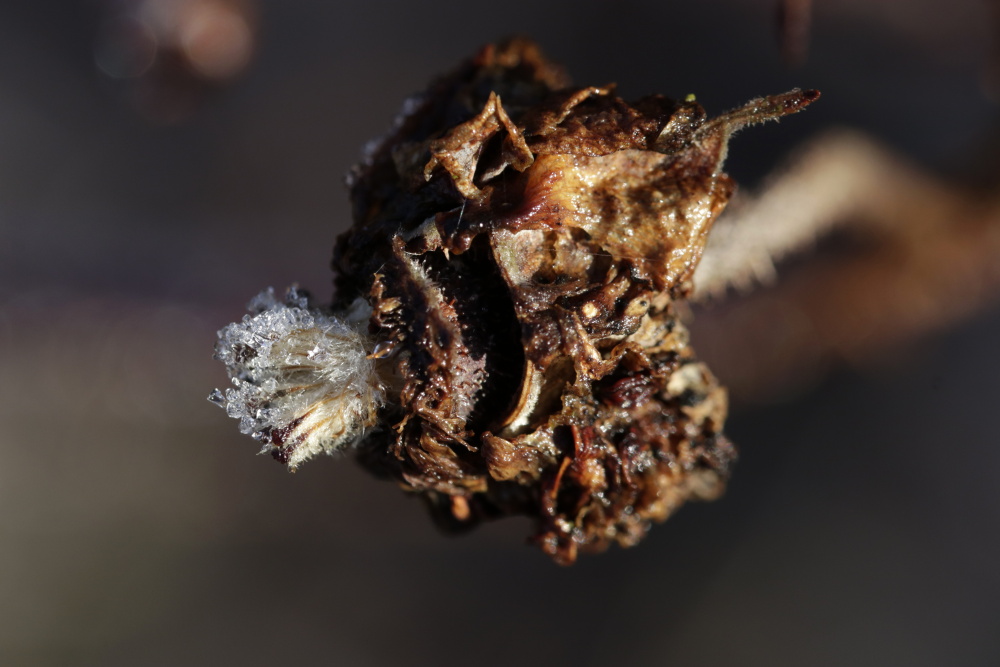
x: 519, y: 249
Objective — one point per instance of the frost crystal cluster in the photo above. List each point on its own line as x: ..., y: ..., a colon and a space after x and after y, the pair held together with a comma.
x: 303, y: 382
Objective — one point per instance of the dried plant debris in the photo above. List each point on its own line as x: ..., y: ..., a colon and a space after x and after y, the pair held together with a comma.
x: 519, y: 250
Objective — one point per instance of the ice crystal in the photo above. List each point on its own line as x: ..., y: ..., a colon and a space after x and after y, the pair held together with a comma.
x: 303, y: 382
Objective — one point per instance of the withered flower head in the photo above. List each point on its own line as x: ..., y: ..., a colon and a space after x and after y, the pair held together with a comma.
x: 522, y: 245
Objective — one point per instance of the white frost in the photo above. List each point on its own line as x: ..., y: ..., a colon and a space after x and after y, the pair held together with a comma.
x: 303, y: 382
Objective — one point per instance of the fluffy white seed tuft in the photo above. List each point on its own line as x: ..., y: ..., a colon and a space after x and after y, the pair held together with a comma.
x: 303, y: 381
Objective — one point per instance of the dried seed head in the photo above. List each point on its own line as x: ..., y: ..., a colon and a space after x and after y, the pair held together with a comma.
x: 522, y: 246
x: 302, y: 380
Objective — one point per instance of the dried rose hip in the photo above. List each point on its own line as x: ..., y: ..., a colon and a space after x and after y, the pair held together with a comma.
x: 518, y: 250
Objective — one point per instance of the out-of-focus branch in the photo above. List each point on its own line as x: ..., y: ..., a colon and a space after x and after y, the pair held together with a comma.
x: 929, y: 255
x: 794, y: 17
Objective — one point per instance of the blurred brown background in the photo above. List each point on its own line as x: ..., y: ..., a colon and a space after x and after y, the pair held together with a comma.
x: 138, y: 215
